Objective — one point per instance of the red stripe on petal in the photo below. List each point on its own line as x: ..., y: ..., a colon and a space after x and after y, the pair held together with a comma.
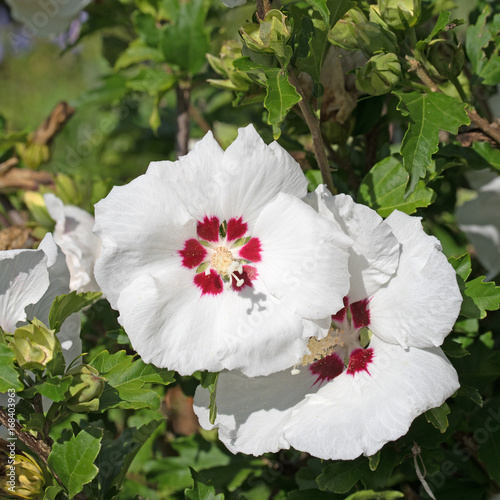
x: 360, y: 313
x: 359, y: 361
x: 193, y: 254
x: 236, y: 228
x: 208, y: 230
x: 210, y: 284
x: 248, y: 275
x: 251, y: 251
x: 327, y: 368
x: 339, y: 316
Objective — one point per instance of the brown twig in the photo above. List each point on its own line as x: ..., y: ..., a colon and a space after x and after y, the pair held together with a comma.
x: 200, y: 121
x: 313, y: 123
x: 182, y: 136
x: 263, y: 7
x: 51, y: 126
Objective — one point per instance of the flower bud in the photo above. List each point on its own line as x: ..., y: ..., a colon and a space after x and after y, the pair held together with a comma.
x: 33, y: 154
x: 20, y: 475
x: 447, y: 57
x: 269, y: 35
x: 379, y: 75
x: 400, y: 14
x: 34, y: 346
x: 342, y: 34
x: 85, y: 389
x: 373, y: 38
x: 223, y: 65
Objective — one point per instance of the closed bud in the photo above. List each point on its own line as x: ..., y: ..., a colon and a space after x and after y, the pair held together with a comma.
x: 447, y: 57
x: 270, y: 35
x: 373, y: 38
x: 342, y: 34
x: 20, y: 475
x: 33, y: 154
x: 85, y: 389
x: 224, y: 65
x: 379, y: 75
x: 35, y: 346
x: 400, y: 14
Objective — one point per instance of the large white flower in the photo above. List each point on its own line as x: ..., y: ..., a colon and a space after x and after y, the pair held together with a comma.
x: 378, y: 369
x: 214, y: 262
x: 46, y: 17
x: 73, y: 233
x: 480, y: 219
x: 30, y: 280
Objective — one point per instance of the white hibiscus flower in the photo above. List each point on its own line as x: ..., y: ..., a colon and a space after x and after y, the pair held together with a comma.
x: 378, y: 368
x: 214, y: 262
x: 30, y: 280
x: 73, y: 233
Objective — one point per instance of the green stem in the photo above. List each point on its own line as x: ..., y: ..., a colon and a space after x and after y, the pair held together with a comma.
x: 460, y: 89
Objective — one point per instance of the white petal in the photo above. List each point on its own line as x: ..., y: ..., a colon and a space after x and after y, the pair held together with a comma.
x: 419, y: 306
x: 374, y: 256
x: 142, y: 226
x: 58, y: 277
x: 251, y: 412
x: 23, y: 281
x: 198, y: 178
x: 73, y: 233
x: 170, y: 324
x: 304, y: 257
x: 358, y: 414
x: 255, y: 173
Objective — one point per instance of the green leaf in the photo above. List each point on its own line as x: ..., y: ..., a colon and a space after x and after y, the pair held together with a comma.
x: 438, y: 417
x: 311, y: 45
x: 51, y: 492
x: 388, y: 460
x: 126, y: 379
x: 383, y: 189
x: 185, y: 42
x: 54, y: 388
x: 9, y: 376
x: 443, y: 23
x: 281, y: 96
x: 73, y: 460
x: 201, y: 491
x: 483, y: 47
x: 429, y: 113
x: 480, y: 297
x: 454, y: 349
x: 488, y: 153
x: 341, y: 476
x: 331, y: 10
x: 137, y: 52
x: 65, y: 305
x: 152, y: 81
x: 375, y: 495
x: 315, y: 179
x: 146, y: 28
x: 472, y: 393
x: 116, y: 455
x: 488, y: 438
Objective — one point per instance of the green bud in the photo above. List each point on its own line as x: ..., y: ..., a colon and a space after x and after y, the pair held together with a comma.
x: 373, y: 38
x: 224, y: 65
x: 20, y: 475
x: 85, y: 389
x: 379, y: 75
x: 342, y: 34
x: 447, y: 57
x: 400, y: 14
x: 270, y: 35
x: 33, y: 154
x: 35, y: 346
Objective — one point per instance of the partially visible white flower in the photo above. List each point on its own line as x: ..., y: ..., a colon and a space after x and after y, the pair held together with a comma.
x: 73, y: 233
x: 30, y: 280
x: 479, y: 219
x: 46, y: 17
x: 376, y: 371
x: 214, y: 261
